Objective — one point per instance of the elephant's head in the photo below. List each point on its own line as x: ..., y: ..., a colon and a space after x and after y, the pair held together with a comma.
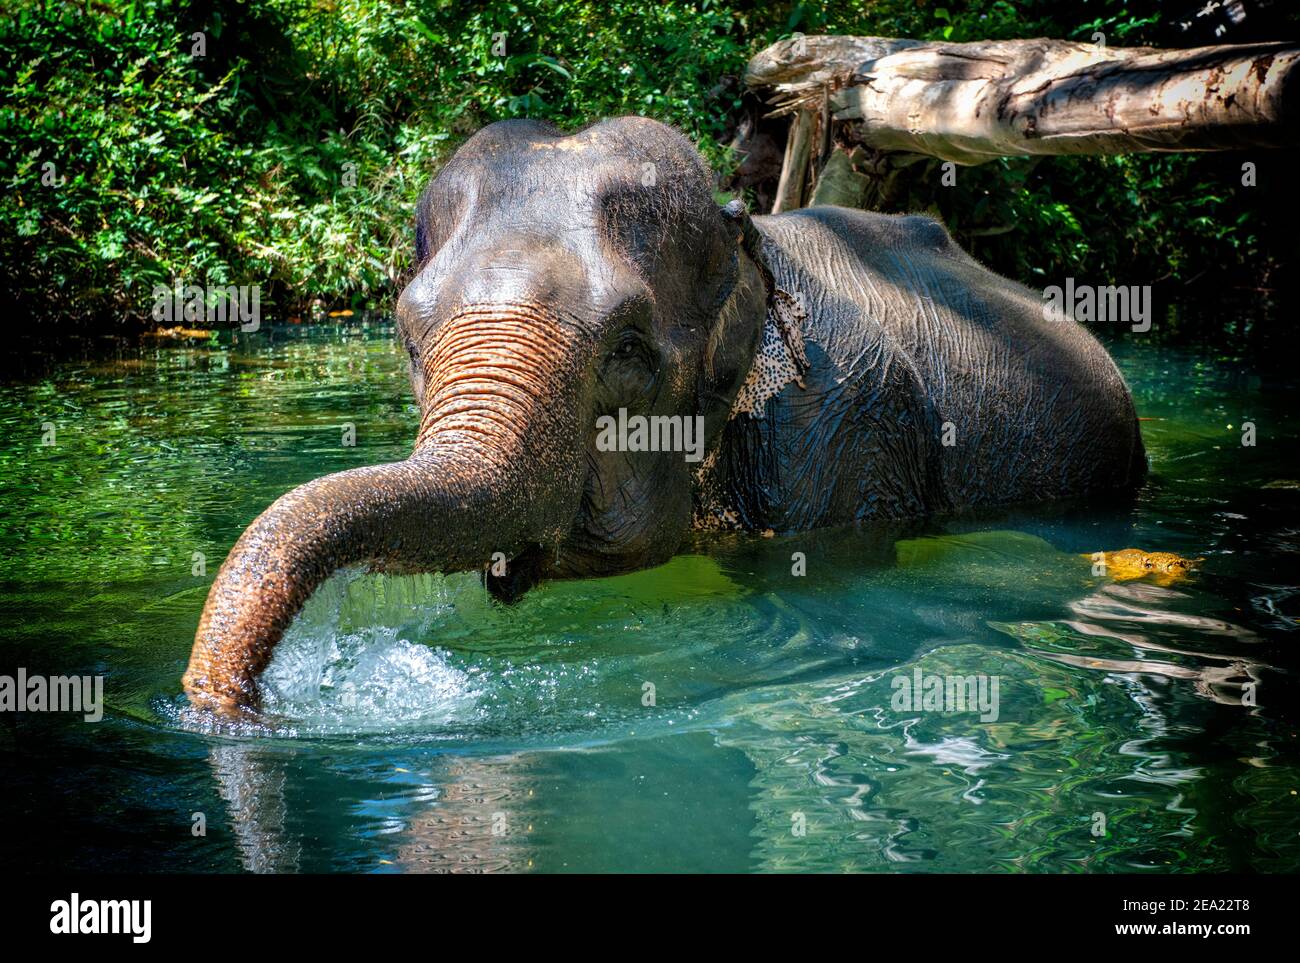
x: 558, y: 280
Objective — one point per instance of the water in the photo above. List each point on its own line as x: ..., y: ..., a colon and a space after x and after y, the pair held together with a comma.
x: 413, y: 724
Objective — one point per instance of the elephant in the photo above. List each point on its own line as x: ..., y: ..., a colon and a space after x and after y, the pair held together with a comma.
x: 839, y: 366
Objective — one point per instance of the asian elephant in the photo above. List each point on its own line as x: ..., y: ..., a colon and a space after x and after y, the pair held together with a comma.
x: 839, y: 366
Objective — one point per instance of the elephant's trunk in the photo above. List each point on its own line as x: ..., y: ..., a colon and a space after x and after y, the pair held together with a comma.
x: 495, y: 470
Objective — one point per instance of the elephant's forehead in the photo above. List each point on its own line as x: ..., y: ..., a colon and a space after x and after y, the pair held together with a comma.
x: 565, y: 145
x: 556, y: 169
x: 616, y: 136
x: 554, y: 176
x: 637, y: 165
x: 553, y: 198
x: 605, y: 190
x: 595, y: 145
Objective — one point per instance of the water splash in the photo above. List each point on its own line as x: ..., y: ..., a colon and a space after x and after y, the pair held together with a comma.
x: 351, y: 662
x: 364, y: 681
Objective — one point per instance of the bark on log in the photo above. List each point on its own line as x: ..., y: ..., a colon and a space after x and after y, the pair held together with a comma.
x: 972, y: 102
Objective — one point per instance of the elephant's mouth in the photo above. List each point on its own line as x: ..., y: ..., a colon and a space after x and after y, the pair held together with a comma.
x: 510, y: 580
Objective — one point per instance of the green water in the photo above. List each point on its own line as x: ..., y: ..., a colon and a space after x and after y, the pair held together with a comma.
x: 415, y: 725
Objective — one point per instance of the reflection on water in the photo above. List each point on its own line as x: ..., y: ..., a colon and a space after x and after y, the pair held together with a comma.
x: 1131, y: 619
x: 251, y: 781
x: 718, y: 712
x: 470, y: 816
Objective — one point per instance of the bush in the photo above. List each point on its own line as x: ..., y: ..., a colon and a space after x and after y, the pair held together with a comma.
x: 290, y: 154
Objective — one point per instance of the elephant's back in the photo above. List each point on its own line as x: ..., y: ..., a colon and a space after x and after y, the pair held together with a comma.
x: 1030, y: 408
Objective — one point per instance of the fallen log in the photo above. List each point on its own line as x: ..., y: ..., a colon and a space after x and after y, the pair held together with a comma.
x: 972, y: 102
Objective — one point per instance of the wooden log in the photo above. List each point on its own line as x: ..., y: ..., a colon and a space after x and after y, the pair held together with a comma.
x: 972, y: 102
x: 794, y: 169
x: 805, y: 63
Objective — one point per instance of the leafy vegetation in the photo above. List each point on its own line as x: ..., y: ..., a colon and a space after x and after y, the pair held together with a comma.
x: 282, y: 143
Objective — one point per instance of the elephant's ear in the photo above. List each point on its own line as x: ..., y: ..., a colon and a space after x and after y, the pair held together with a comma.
x: 737, y: 327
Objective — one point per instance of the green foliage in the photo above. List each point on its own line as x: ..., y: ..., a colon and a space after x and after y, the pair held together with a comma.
x: 234, y: 167
x: 229, y: 168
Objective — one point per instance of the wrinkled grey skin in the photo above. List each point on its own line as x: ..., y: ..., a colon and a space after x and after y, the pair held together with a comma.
x: 562, y: 277
x: 908, y: 334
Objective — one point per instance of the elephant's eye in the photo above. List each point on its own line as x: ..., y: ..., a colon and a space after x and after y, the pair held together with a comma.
x: 631, y: 366
x: 629, y: 348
